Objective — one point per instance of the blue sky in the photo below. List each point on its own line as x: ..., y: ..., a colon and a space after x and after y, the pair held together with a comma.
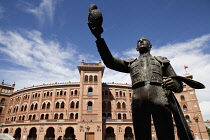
x: 43, y: 41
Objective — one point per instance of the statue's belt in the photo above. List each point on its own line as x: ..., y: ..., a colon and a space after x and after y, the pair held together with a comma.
x: 144, y: 83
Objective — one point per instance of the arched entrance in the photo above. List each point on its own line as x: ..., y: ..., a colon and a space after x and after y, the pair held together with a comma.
x: 50, y: 134
x: 128, y: 134
x: 69, y: 134
x: 17, y: 135
x: 109, y: 134
x: 32, y: 134
x: 6, y: 130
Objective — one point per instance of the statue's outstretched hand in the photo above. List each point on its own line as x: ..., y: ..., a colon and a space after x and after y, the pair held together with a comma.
x: 169, y: 83
x: 95, y: 20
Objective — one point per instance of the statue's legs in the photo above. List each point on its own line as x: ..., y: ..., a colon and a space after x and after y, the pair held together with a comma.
x: 141, y: 120
x: 162, y: 118
x: 163, y: 123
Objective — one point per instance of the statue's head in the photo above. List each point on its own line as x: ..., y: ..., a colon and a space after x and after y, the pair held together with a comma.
x: 143, y: 45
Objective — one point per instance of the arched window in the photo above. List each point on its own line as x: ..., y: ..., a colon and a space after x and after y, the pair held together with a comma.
x: 76, y: 116
x: 72, y: 93
x: 77, y: 104
x: 3, y: 100
x: 62, y: 105
x: 30, y: 116
x: 48, y: 105
x: 185, y: 108
x: 42, y: 117
x: 187, y: 117
x: 25, y: 107
x: 64, y: 93
x: 75, y: 92
x: 90, y: 91
x: 182, y: 98
x: 124, y: 94
x: 95, y: 78
x: 119, y: 116
x: 90, y: 78
x: 36, y: 106
x: 61, y: 116
x: 44, y: 94
x: 120, y: 93
x: 57, y: 105
x: 86, y: 78
x: 117, y: 94
x: 56, y: 116
x: 32, y: 107
x: 20, y: 118
x: 118, y: 105
x: 34, y: 117
x: 48, y: 93
x: 72, y: 105
x: 23, y: 118
x: 123, y: 105
x: 124, y: 116
x: 61, y: 92
x: 89, y: 107
x: 46, y: 116
x: 72, y: 116
x: 43, y: 106
x: 22, y: 108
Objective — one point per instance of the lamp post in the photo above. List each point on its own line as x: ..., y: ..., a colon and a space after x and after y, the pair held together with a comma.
x: 196, y: 120
x: 87, y: 127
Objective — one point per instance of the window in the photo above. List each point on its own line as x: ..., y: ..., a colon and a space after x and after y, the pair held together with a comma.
x: 123, y: 105
x: 57, y: 105
x: 72, y: 105
x: 90, y: 91
x: 43, y: 106
x: 124, y: 116
x: 86, y: 78
x: 119, y: 116
x: 48, y: 105
x: 42, y: 117
x: 89, y: 107
x: 34, y: 117
x: 72, y: 116
x: 95, y: 78
x: 187, y: 118
x: 56, y: 116
x: 185, y: 108
x: 62, y: 105
x: 3, y: 100
x: 77, y: 104
x: 61, y: 116
x: 118, y: 105
x: 76, y: 116
x: 46, y: 116
x: 91, y: 78
x: 182, y: 98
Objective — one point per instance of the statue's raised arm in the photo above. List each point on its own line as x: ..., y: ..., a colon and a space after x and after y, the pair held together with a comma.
x: 95, y: 20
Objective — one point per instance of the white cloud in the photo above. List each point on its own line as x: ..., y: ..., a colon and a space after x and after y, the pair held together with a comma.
x: 44, y: 12
x: 190, y: 53
x: 40, y: 60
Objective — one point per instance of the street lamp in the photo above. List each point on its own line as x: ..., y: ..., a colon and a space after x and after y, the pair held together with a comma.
x: 196, y: 120
x: 87, y: 127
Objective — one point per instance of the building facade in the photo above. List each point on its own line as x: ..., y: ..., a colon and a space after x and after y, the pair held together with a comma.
x: 85, y: 110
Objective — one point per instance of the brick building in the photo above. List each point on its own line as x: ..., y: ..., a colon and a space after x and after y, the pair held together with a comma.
x: 88, y: 109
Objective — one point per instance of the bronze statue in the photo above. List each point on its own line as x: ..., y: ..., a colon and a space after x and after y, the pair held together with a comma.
x: 153, y: 81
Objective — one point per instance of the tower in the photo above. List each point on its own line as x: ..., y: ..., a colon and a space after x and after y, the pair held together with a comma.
x: 90, y: 97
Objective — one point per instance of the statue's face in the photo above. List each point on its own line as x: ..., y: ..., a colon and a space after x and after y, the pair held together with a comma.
x: 143, y: 45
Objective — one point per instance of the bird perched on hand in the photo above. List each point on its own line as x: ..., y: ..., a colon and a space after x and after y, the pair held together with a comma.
x: 95, y: 19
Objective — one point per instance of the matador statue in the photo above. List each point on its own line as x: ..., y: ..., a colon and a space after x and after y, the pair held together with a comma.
x: 153, y: 83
